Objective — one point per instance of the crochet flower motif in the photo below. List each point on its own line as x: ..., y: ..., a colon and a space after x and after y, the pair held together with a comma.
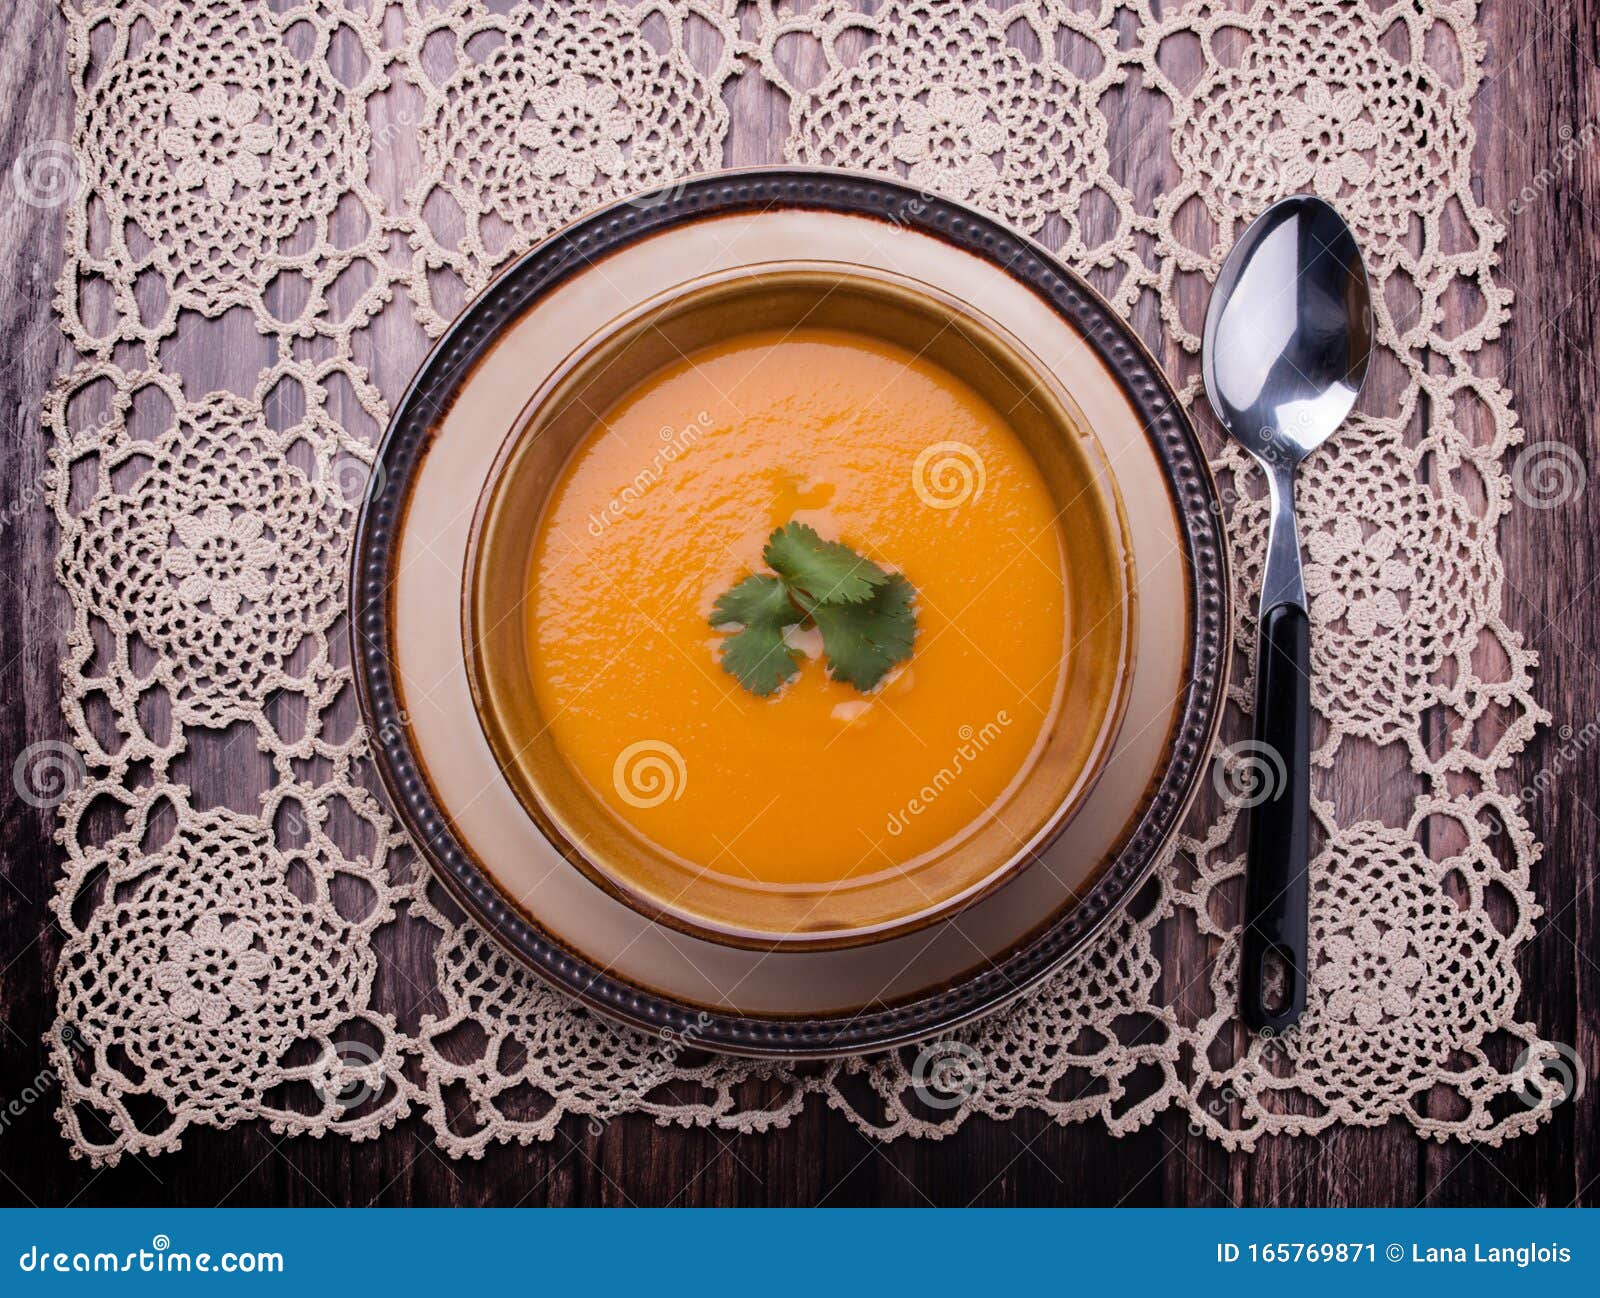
x: 1026, y: 138
x: 1322, y: 140
x: 1356, y: 577
x: 1385, y: 137
x: 575, y: 131
x: 948, y: 142
x: 212, y: 971
x: 217, y: 140
x: 1371, y: 975
x: 225, y: 559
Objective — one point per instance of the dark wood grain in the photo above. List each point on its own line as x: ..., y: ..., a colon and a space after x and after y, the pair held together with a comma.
x: 1542, y: 76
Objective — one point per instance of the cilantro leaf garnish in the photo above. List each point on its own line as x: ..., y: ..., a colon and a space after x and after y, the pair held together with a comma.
x: 826, y: 571
x: 865, y: 614
x: 864, y: 640
x: 757, y: 654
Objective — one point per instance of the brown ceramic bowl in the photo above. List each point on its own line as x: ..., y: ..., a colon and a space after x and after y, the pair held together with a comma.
x: 561, y: 414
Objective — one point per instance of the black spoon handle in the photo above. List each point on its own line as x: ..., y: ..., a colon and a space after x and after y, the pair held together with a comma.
x: 1275, y: 896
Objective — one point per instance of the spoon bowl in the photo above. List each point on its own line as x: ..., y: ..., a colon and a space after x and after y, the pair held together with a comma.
x: 1289, y: 330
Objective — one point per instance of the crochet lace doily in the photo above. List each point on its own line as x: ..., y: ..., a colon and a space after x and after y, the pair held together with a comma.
x: 272, y: 208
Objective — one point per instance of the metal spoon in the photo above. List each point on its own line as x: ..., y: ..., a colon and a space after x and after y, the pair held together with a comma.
x: 1284, y: 353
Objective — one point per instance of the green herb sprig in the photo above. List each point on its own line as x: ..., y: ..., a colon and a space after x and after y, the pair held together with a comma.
x: 865, y: 613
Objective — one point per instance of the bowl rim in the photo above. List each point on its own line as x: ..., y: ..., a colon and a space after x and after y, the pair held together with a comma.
x: 1170, y: 790
x: 489, y: 510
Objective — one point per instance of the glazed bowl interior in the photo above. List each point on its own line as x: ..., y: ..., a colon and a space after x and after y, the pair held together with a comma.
x: 1100, y: 596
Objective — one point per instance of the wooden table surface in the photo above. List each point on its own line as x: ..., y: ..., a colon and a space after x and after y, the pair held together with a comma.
x: 1542, y: 88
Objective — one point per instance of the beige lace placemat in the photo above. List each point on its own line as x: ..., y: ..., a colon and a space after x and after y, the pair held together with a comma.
x: 274, y: 205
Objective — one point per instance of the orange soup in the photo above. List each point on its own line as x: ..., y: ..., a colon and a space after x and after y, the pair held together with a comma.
x: 667, y: 504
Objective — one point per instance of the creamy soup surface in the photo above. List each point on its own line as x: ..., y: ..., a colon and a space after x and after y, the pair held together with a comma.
x: 668, y: 503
